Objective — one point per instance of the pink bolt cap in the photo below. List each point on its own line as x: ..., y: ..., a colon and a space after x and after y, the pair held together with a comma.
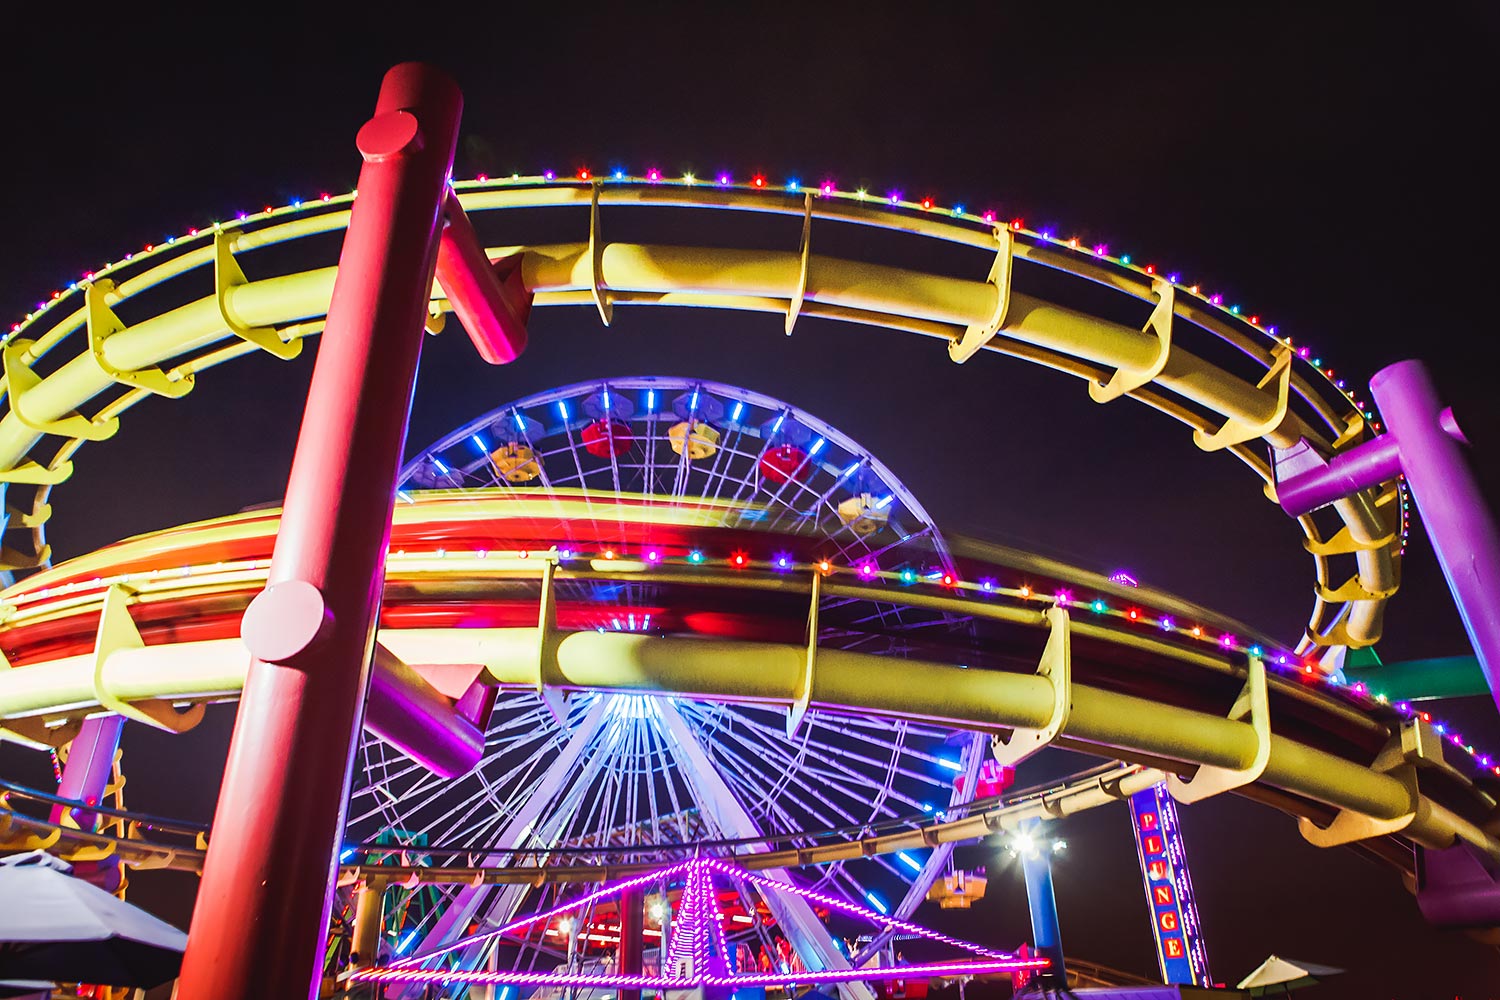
x: 389, y: 134
x: 284, y: 620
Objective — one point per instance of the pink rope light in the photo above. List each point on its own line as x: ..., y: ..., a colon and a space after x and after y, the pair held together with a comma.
x: 515, y: 925
x: 389, y: 975
x: 699, y: 928
x: 845, y: 906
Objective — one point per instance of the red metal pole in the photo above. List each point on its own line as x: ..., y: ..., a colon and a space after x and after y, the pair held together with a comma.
x: 262, y: 913
x: 492, y: 308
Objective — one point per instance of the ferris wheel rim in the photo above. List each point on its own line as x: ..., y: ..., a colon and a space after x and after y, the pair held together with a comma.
x: 903, y: 495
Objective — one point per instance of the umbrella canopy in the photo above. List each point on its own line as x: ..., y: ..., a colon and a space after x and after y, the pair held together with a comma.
x: 60, y: 928
x: 24, y: 988
x: 1276, y: 976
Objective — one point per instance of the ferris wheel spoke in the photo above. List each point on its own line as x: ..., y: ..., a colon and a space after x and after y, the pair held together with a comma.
x: 768, y: 790
x: 518, y: 774
x: 812, y: 794
x: 844, y: 778
x: 722, y: 461
x: 750, y: 782
x: 831, y: 754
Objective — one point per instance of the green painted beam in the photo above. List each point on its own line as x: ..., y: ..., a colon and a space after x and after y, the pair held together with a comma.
x: 1420, y: 680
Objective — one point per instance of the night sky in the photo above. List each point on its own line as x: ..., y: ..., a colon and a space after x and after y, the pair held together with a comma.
x: 1329, y: 170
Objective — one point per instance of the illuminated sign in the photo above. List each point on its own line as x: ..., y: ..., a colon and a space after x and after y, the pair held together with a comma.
x: 1169, y: 891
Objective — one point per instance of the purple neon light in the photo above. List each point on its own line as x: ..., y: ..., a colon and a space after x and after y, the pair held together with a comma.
x: 515, y: 925
x: 392, y: 975
x: 1010, y: 964
x: 833, y: 902
x: 698, y: 918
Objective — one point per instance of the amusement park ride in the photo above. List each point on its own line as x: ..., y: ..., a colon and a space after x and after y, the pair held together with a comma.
x: 667, y: 686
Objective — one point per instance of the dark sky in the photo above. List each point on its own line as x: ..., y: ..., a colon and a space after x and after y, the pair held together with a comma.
x: 1328, y: 168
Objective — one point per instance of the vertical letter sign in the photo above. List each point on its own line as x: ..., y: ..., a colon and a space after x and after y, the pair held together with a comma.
x: 1169, y: 891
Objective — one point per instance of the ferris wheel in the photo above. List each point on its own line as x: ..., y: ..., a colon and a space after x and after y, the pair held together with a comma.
x: 738, y: 458
x: 627, y: 777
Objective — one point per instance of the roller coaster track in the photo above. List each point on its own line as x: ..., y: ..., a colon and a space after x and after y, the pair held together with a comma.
x: 143, y: 326
x: 1045, y: 670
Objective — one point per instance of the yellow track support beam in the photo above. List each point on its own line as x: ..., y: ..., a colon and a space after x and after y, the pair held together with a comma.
x: 1224, y: 408
x: 1099, y: 721
x: 1056, y: 668
x: 1124, y: 381
x: 977, y: 335
x: 1251, y: 706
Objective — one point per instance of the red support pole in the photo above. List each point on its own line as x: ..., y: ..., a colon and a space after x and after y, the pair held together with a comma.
x: 261, y: 919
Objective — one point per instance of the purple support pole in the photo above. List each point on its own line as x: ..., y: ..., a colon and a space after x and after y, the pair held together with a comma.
x: 1458, y: 886
x: 91, y: 761
x: 1422, y: 441
x: 261, y: 918
x: 407, y: 712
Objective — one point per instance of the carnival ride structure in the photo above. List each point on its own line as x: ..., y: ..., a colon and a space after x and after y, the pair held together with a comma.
x: 579, y: 582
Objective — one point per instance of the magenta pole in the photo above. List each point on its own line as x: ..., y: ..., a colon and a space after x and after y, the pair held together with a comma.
x: 260, y: 923
x: 492, y: 309
x: 408, y: 713
x: 1422, y: 441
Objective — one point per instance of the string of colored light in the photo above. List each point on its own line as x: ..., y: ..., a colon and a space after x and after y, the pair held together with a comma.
x: 515, y: 925
x: 866, y: 570
x: 826, y: 189
x: 608, y: 981
x: 700, y: 906
x: 843, y: 905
